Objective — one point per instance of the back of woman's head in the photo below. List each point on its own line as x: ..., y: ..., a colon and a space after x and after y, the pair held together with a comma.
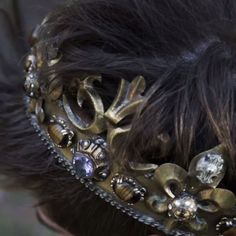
x: 185, y: 50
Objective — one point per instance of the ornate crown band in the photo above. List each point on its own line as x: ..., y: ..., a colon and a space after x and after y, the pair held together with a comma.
x: 166, y: 197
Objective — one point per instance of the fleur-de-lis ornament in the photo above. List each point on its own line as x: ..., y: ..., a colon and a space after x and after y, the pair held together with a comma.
x: 186, y: 196
x: 126, y: 102
x: 82, y: 134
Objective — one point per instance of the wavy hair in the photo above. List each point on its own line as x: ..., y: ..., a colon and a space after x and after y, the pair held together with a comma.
x: 186, y: 50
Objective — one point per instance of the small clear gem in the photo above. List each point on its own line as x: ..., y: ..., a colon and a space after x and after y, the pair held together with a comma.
x: 84, y: 166
x: 32, y: 85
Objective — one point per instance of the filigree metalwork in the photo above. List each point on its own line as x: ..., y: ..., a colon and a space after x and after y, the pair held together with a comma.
x: 91, y: 159
x: 72, y: 122
x: 86, y: 92
x: 126, y: 102
x: 187, y: 194
x: 31, y: 84
x: 127, y: 189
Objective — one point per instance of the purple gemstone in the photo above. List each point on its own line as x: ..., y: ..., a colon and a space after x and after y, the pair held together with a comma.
x: 84, y: 166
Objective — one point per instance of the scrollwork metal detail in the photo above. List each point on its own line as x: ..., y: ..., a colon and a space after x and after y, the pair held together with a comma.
x: 126, y: 102
x: 86, y: 92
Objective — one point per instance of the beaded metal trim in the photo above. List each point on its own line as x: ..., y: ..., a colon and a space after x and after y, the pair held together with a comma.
x: 166, y: 197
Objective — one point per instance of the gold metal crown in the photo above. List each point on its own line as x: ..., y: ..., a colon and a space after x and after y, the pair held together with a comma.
x: 166, y: 197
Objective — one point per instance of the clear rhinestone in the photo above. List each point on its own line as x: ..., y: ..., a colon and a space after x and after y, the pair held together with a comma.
x: 209, y: 169
x: 84, y: 166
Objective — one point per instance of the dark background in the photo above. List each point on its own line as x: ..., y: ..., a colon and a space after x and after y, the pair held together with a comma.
x: 17, y: 216
x: 17, y: 19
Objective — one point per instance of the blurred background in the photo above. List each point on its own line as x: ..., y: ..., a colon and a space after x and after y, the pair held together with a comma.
x: 17, y: 19
x: 17, y: 216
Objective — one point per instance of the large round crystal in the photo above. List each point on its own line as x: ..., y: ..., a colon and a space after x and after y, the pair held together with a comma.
x: 84, y: 165
x: 183, y: 208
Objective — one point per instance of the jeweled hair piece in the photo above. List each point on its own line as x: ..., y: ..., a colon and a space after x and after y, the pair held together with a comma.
x: 166, y: 197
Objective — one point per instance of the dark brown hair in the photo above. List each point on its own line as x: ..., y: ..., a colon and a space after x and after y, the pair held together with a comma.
x: 185, y: 49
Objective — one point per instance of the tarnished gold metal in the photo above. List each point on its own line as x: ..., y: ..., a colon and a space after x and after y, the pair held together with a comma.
x: 171, y: 196
x: 54, y: 61
x: 127, y: 189
x: 168, y: 175
x: 61, y: 135
x: 143, y: 167
x: 32, y: 105
x: 177, y: 197
x: 157, y: 203
x: 127, y: 101
x: 113, y: 135
x: 55, y: 89
x: 223, y: 199
x: 39, y: 110
x: 86, y: 92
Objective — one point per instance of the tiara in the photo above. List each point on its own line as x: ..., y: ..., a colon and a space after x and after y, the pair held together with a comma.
x: 166, y: 197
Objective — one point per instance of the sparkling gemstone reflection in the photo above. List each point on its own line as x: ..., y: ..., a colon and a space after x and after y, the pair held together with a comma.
x: 183, y: 208
x: 84, y: 166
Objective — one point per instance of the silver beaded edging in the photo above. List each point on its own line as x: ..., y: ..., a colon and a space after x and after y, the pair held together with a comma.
x: 99, y: 191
